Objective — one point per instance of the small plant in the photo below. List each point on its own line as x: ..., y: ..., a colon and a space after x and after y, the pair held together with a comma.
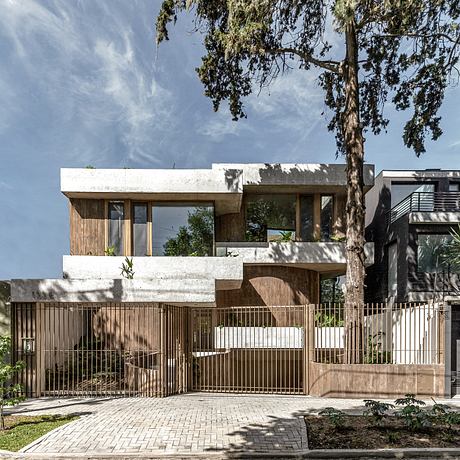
x: 376, y: 409
x: 110, y: 251
x: 338, y: 238
x: 335, y: 416
x: 393, y: 438
x: 285, y: 237
x: 89, y: 167
x: 328, y: 320
x: 127, y: 268
x: 10, y: 393
x: 412, y: 413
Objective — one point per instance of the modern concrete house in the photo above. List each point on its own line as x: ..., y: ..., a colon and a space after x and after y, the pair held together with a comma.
x: 209, y: 280
x: 409, y: 217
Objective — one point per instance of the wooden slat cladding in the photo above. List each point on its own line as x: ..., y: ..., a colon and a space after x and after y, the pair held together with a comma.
x: 265, y: 285
x: 340, y: 216
x: 87, y: 227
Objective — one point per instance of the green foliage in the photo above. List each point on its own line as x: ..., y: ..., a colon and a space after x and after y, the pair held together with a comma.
x: 452, y: 252
x: 335, y: 416
x: 407, y: 51
x: 285, y: 237
x: 323, y: 319
x: 110, y: 251
x: 331, y: 291
x: 127, y: 268
x: 10, y: 393
x: 412, y: 413
x: 89, y: 167
x: 374, y: 351
x: 376, y: 409
x: 195, y: 239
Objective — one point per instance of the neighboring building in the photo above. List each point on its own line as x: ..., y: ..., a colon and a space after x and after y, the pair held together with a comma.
x: 409, y: 217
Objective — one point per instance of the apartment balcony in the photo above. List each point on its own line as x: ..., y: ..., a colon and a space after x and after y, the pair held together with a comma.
x: 428, y: 208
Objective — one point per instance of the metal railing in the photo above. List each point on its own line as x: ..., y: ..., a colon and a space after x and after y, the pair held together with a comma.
x: 426, y: 202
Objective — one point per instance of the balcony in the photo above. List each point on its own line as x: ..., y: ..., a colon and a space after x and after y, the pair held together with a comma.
x: 428, y: 207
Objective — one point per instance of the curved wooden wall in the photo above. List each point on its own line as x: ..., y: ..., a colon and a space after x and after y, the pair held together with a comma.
x: 272, y: 285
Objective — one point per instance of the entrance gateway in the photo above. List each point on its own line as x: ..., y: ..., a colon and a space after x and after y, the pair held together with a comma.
x: 155, y: 350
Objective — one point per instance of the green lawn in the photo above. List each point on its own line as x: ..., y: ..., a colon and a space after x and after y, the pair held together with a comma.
x: 21, y: 430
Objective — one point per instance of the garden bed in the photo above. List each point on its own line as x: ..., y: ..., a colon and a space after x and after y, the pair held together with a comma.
x: 361, y: 432
x: 21, y: 430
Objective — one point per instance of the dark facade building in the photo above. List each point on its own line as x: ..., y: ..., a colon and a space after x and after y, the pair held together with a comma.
x: 410, y: 215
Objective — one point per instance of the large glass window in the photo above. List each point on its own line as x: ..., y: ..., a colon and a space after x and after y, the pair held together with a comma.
x: 182, y: 229
x: 392, y: 269
x: 270, y: 217
x: 432, y: 251
x: 306, y: 218
x: 116, y: 227
x: 140, y: 229
x: 327, y: 216
x: 401, y: 191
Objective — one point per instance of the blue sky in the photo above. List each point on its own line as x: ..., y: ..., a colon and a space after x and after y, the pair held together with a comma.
x: 82, y: 83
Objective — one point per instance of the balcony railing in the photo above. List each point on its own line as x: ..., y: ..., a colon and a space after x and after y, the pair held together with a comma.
x: 426, y: 202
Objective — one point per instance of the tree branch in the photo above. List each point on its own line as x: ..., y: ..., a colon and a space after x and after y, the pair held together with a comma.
x: 332, y: 66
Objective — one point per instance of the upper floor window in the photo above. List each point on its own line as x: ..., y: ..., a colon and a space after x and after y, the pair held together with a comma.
x: 401, y: 191
x: 116, y: 219
x: 454, y: 187
x: 140, y: 229
x: 182, y: 229
x: 432, y: 250
x: 270, y: 217
x: 327, y: 217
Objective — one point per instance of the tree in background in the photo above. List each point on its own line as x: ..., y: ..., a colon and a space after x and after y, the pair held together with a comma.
x: 10, y: 393
x: 368, y: 52
x: 197, y: 238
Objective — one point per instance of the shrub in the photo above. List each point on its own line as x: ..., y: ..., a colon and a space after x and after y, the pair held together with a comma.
x: 376, y: 409
x: 335, y: 416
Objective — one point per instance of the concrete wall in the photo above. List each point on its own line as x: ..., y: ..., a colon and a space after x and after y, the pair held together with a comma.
x: 178, y: 268
x: 173, y: 291
x: 325, y: 256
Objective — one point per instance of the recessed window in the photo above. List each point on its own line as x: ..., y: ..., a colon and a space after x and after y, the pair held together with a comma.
x: 270, y: 217
x: 327, y: 213
x: 432, y: 252
x: 454, y: 187
x: 116, y: 227
x: 182, y: 229
x: 306, y: 218
x: 139, y: 229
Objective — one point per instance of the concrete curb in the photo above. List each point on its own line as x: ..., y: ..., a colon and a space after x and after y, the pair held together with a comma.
x: 444, y: 453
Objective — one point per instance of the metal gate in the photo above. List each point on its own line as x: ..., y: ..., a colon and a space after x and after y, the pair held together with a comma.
x: 249, y: 349
x: 128, y: 349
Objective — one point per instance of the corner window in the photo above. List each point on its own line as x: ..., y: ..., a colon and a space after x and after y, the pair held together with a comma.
x: 116, y: 227
x: 270, y: 217
x: 327, y: 215
x: 182, y: 229
x: 432, y: 251
x: 401, y: 191
x: 139, y: 233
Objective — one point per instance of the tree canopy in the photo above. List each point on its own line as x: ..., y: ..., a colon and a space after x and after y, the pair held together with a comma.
x: 407, y: 52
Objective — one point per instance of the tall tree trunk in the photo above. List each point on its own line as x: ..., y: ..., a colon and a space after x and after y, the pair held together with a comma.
x: 354, y: 146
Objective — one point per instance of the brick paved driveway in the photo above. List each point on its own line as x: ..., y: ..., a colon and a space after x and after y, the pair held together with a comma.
x: 177, y: 424
x: 191, y: 423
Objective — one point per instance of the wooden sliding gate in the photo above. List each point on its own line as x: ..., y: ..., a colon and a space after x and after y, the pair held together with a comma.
x: 128, y: 349
x: 249, y: 349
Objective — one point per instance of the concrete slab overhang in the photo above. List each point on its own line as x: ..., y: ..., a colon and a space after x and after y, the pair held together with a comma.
x: 178, y: 292
x: 299, y: 177
x: 434, y: 217
x: 224, y: 187
x: 318, y: 256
